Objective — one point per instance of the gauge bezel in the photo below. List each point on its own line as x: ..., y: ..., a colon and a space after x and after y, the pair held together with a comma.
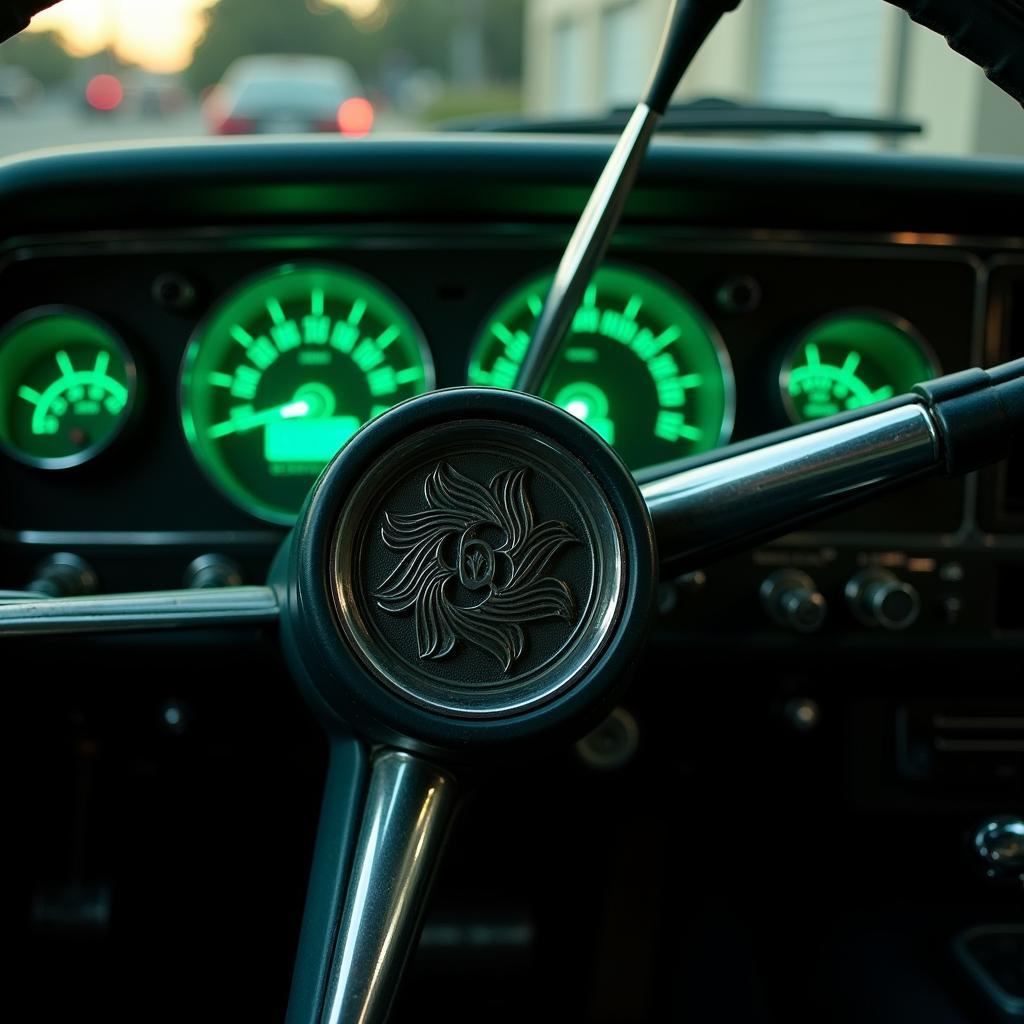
x: 236, y: 497
x: 886, y: 316
x: 119, y: 346
x: 662, y: 281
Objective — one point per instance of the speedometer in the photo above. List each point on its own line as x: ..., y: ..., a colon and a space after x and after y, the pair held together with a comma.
x: 285, y: 370
x: 641, y: 364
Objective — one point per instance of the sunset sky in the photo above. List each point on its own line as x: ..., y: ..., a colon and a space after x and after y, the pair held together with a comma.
x: 158, y: 34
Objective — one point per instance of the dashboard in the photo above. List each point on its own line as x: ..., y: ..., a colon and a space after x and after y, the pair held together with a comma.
x: 187, y: 331
x: 179, y: 363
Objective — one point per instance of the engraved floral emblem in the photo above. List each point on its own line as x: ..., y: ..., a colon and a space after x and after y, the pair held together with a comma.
x: 472, y: 565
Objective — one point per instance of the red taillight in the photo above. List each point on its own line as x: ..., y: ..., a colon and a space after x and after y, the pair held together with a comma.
x: 355, y: 116
x: 104, y: 92
x: 236, y: 126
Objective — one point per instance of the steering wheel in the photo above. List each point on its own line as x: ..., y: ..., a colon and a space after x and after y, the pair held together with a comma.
x: 470, y: 579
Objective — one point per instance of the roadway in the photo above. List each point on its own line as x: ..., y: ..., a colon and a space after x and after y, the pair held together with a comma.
x: 46, y: 125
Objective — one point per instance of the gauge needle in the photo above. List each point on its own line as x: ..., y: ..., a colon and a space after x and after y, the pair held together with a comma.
x: 239, y: 424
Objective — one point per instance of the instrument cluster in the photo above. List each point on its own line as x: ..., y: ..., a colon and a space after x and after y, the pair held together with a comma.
x: 281, y: 368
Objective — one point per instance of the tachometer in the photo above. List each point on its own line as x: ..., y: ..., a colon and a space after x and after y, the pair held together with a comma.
x: 640, y: 364
x: 285, y: 370
x: 67, y: 385
x: 852, y: 359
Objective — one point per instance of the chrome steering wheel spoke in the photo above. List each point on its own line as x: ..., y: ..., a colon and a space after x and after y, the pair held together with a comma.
x: 409, y: 807
x: 118, y: 613
x: 378, y: 848
x: 744, y: 493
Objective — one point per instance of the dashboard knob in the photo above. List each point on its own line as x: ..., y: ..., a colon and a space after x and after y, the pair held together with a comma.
x: 791, y: 598
x: 999, y: 842
x: 208, y: 571
x: 63, y: 575
x: 878, y: 597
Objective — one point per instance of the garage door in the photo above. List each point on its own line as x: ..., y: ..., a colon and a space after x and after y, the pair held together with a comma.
x: 827, y: 53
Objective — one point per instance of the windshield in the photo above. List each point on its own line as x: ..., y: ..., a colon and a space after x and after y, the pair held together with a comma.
x: 95, y: 71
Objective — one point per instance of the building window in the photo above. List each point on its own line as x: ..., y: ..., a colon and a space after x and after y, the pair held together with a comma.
x: 625, y: 56
x: 569, y: 67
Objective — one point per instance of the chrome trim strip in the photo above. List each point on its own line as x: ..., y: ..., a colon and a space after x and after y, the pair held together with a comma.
x: 161, y: 609
x: 499, y: 235
x: 973, y: 510
x: 409, y: 807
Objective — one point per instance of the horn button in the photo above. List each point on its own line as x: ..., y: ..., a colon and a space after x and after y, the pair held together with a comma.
x: 471, y: 559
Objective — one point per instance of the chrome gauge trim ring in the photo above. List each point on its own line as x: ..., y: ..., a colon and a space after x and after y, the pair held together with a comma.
x: 236, y: 494
x: 883, y: 316
x: 124, y: 417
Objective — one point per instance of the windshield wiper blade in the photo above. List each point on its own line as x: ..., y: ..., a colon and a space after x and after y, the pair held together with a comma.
x: 710, y: 115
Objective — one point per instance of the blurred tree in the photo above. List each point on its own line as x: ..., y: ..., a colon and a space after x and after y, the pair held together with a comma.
x: 40, y: 54
x: 503, y: 39
x: 236, y: 28
x: 427, y: 28
x: 422, y: 29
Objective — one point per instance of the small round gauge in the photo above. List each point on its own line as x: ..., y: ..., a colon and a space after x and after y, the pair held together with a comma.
x: 852, y: 359
x: 640, y: 364
x: 67, y: 385
x: 284, y: 370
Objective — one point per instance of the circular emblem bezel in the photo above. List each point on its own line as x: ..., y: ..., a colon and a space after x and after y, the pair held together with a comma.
x: 481, y: 651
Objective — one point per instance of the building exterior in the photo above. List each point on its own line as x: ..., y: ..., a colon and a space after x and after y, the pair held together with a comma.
x: 848, y: 56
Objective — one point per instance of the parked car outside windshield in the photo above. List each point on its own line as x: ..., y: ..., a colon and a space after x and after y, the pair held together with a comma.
x: 273, y: 94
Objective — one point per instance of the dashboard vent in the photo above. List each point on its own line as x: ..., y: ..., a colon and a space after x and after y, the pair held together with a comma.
x: 963, y: 745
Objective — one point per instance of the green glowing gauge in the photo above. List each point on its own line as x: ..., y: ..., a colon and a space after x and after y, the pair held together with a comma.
x: 852, y: 359
x: 285, y: 370
x: 641, y: 364
x: 67, y: 385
